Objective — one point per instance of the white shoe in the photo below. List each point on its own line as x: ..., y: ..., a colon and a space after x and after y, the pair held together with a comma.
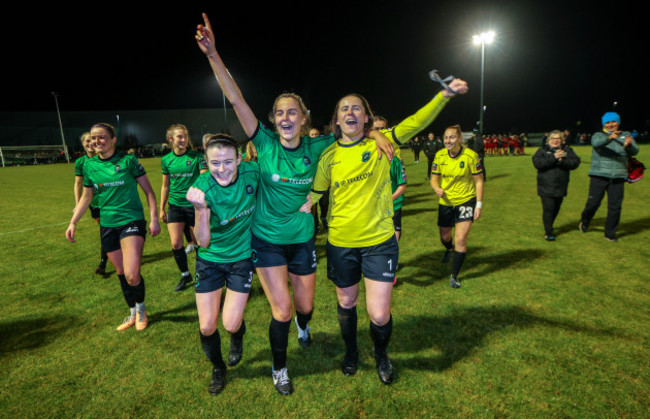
x: 190, y: 248
x: 304, y: 338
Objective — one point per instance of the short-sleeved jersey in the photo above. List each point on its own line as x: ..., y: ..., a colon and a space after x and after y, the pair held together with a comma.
x: 79, y: 171
x: 456, y: 175
x: 183, y: 170
x: 360, y: 201
x: 116, y: 187
x: 231, y: 214
x: 286, y: 176
x: 397, y: 178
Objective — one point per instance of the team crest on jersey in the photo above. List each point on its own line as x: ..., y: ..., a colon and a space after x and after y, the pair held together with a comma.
x: 365, y: 156
x: 249, y: 189
x: 188, y: 163
x: 306, y: 160
x: 434, y: 167
x: 462, y: 164
x: 117, y: 168
x: 479, y: 166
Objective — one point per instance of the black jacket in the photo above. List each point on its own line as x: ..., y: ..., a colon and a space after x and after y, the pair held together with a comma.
x: 553, y: 174
x: 430, y: 147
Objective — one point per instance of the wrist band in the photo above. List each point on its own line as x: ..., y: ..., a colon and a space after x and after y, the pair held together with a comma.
x: 479, y: 204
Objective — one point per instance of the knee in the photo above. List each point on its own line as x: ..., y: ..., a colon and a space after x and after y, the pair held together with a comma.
x: 380, y: 316
x: 133, y: 278
x: 231, y: 325
x: 282, y: 312
x: 348, y: 301
x: 208, y: 328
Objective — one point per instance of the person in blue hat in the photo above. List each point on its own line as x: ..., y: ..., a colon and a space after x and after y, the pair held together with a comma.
x: 611, y: 149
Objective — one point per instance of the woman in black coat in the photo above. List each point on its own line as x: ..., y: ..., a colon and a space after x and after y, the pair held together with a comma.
x: 553, y: 161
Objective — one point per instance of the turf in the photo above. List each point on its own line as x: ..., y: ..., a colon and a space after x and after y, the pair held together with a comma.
x: 538, y: 329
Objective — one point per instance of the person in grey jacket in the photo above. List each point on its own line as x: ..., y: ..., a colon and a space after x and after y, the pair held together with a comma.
x: 553, y: 161
x: 611, y: 149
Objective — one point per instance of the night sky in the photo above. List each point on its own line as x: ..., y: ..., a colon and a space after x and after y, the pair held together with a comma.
x: 553, y: 64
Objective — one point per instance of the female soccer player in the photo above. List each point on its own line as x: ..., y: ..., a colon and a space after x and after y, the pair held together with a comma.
x: 224, y: 201
x: 180, y: 168
x: 282, y: 236
x: 115, y: 177
x: 361, y: 239
x: 251, y: 152
x: 458, y: 182
x: 87, y: 144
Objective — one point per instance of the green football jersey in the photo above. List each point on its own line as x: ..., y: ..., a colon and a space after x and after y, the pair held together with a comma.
x: 116, y: 188
x: 286, y: 176
x: 231, y: 214
x: 397, y: 178
x: 183, y: 170
x: 79, y: 171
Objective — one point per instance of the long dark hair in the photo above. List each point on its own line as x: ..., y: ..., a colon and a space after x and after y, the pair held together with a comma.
x: 336, y: 130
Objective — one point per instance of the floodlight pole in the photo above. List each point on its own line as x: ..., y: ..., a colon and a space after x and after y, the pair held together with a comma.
x: 58, y: 114
x: 482, y: 109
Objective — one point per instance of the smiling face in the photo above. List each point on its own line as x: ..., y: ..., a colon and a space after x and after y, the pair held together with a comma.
x: 288, y: 118
x: 103, y: 142
x: 452, y: 140
x: 87, y: 143
x: 611, y: 126
x: 223, y: 161
x: 179, y: 140
x: 555, y: 140
x: 351, y: 118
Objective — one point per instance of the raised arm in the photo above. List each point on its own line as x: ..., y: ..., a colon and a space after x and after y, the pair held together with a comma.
x: 424, y: 116
x: 205, y: 40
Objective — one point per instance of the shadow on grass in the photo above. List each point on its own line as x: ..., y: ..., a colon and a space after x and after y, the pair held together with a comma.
x: 175, y: 315
x: 20, y: 335
x: 153, y: 257
x: 427, y: 268
x: 498, y: 176
x: 324, y: 355
x: 628, y: 228
x: 454, y: 337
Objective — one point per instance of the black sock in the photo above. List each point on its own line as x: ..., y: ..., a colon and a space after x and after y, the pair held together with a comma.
x: 381, y: 335
x: 188, y: 233
x: 240, y: 333
x: 279, y: 338
x: 459, y: 258
x: 126, y: 291
x: 138, y: 291
x: 303, y: 319
x: 181, y: 259
x: 102, y: 255
x: 348, y: 322
x: 212, y: 347
x: 448, y: 245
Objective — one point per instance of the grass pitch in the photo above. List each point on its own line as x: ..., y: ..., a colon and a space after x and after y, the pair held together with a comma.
x: 538, y: 328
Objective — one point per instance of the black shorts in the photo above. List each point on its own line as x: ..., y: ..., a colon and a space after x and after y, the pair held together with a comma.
x: 450, y: 216
x: 346, y: 265
x: 176, y: 214
x: 212, y: 276
x: 111, y: 236
x: 94, y: 212
x: 300, y: 258
x: 397, y: 220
